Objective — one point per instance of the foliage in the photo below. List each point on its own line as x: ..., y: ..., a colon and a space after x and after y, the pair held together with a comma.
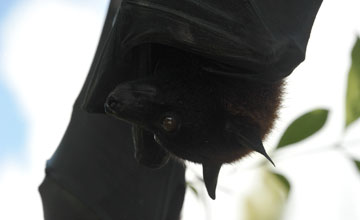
x: 303, y: 127
x: 353, y: 88
x: 270, y: 196
x: 191, y: 186
x: 357, y: 164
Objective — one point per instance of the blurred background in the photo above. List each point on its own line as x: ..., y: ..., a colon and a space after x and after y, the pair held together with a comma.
x: 46, y: 48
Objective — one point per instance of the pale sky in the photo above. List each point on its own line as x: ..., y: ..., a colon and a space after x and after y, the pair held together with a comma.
x: 46, y: 48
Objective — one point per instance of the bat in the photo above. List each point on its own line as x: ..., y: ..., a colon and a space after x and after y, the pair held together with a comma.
x: 212, y: 100
x: 182, y: 111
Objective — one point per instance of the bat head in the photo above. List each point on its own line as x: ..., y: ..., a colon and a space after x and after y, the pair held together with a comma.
x: 185, y: 112
x: 184, y: 116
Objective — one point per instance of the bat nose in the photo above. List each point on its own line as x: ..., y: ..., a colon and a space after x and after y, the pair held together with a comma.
x: 112, y: 105
x: 131, y: 100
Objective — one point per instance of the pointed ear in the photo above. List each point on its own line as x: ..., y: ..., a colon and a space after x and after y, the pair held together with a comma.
x: 147, y: 151
x: 210, y: 176
x: 246, y: 134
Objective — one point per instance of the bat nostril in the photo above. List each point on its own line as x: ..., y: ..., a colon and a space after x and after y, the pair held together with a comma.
x: 111, y: 105
x: 112, y: 102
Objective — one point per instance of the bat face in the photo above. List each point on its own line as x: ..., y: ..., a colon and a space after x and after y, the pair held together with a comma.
x: 184, y: 116
x: 188, y: 115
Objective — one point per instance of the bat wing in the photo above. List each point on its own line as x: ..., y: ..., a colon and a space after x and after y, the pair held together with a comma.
x: 257, y: 39
x: 93, y: 175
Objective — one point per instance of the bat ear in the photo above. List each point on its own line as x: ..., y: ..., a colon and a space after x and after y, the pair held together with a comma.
x: 210, y: 176
x: 147, y: 151
x: 246, y: 134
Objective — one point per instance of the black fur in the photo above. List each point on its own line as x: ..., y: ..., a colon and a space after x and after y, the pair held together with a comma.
x: 218, y: 119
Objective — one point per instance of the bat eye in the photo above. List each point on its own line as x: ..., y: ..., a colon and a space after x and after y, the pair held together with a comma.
x: 169, y: 123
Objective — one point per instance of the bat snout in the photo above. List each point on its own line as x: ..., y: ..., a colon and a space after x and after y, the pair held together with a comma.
x: 129, y: 96
x: 113, y: 105
x: 133, y: 102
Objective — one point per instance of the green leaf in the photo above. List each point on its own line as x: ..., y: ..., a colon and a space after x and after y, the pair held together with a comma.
x: 303, y: 127
x: 282, y: 179
x: 357, y: 163
x: 192, y: 188
x: 267, y: 199
x: 353, y: 87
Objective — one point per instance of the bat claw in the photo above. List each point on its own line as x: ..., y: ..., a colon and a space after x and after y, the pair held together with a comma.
x: 261, y: 150
x: 210, y: 176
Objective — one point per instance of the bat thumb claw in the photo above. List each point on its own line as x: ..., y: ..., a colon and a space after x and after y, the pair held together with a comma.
x: 261, y: 150
x: 210, y: 176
